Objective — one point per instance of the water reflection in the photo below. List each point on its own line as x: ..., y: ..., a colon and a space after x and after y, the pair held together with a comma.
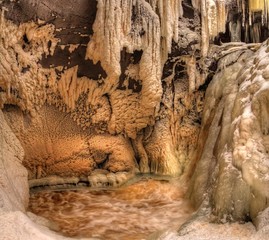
x: 132, y: 212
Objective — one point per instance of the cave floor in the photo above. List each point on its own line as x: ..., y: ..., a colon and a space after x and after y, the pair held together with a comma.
x: 130, y: 212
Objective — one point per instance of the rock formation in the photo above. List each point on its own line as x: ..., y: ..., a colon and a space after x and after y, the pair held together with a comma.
x: 233, y: 140
x: 96, y: 91
x: 124, y: 98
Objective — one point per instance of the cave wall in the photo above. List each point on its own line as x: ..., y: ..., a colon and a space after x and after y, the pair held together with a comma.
x: 111, y: 86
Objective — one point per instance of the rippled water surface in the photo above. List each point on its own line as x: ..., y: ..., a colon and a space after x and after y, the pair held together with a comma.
x: 128, y: 213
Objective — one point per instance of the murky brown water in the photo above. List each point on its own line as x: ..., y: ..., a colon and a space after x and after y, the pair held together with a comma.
x: 132, y: 212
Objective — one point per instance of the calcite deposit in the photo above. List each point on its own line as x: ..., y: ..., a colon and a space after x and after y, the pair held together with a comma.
x: 94, y: 92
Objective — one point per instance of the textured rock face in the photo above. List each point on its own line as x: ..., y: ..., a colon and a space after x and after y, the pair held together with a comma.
x: 99, y: 91
x: 14, y: 191
x: 54, y: 145
x: 233, y: 140
x: 14, y: 187
x: 120, y: 97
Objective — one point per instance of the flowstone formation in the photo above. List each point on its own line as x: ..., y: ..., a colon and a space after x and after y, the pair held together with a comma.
x: 234, y: 137
x: 94, y: 92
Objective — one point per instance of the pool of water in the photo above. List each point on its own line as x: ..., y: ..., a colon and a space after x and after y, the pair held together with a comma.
x: 128, y: 213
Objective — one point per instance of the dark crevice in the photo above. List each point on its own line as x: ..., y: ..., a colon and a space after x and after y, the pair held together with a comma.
x: 62, y: 57
x: 25, y: 69
x: 124, y: 80
x: 137, y: 56
x: 121, y: 85
x: 10, y: 107
x: 91, y: 70
x: 204, y: 86
x: 102, y: 164
x: 125, y: 59
x: 212, y: 70
x: 109, y: 103
x: 188, y: 11
x: 49, y: 44
x: 135, y: 85
x: 223, y: 37
x: 25, y: 39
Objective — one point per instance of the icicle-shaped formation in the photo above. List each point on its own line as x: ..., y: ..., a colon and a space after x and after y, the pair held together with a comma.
x: 169, y: 12
x: 254, y: 16
x: 214, y: 16
x: 254, y: 6
x: 258, y: 6
x: 214, y: 13
x: 130, y: 25
x: 116, y: 28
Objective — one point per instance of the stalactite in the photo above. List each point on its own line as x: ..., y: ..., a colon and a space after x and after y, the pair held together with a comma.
x: 214, y: 17
x: 205, y: 30
x: 115, y: 18
x: 134, y: 25
x: 254, y: 17
x: 254, y: 6
x: 216, y: 14
x: 256, y: 32
x: 222, y: 16
x: 169, y: 15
